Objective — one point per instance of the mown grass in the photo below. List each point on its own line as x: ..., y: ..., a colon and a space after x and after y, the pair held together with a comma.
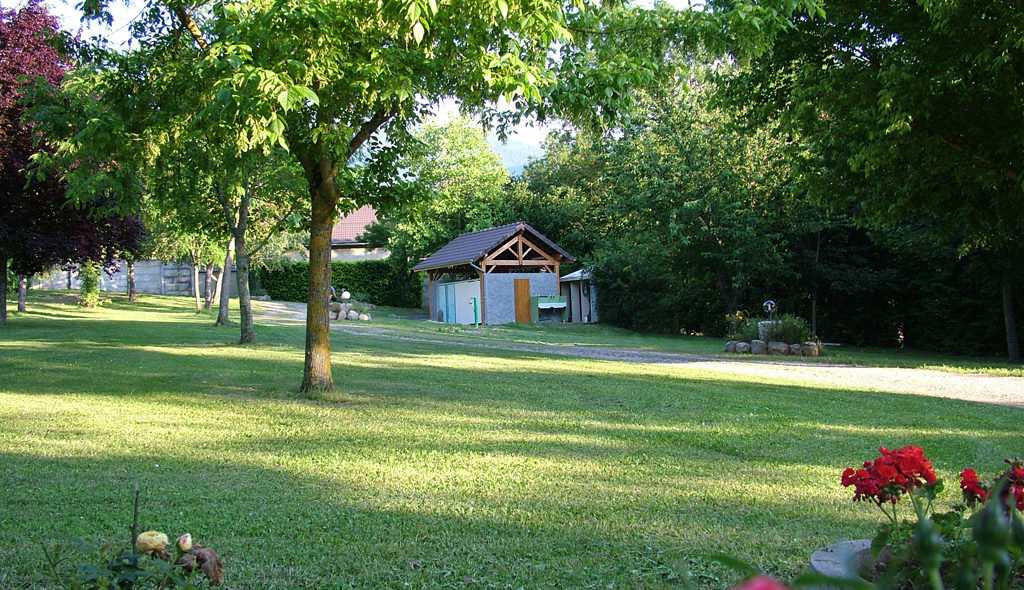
x: 603, y: 335
x: 433, y: 466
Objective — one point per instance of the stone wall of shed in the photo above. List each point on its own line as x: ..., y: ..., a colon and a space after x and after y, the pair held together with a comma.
x: 500, y: 298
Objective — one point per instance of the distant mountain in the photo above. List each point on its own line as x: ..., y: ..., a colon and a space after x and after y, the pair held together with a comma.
x: 515, y: 154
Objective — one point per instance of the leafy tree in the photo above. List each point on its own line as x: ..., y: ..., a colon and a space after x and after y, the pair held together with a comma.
x: 912, y: 113
x: 459, y: 183
x: 132, y: 127
x: 37, y: 230
x: 371, y: 70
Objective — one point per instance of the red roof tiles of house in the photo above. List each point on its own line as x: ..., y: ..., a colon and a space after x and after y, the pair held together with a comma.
x: 351, y: 226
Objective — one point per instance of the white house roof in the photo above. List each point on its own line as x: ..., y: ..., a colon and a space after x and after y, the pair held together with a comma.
x: 580, y: 275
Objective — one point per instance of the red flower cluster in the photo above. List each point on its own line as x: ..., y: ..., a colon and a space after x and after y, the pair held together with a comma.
x: 1015, y: 476
x: 891, y: 475
x: 760, y: 583
x: 974, y: 493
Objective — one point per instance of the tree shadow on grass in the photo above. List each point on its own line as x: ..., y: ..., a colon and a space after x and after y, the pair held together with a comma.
x: 276, y: 529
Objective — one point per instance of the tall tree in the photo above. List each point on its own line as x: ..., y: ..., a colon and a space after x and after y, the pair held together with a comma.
x: 913, y: 111
x: 37, y: 229
x: 343, y: 98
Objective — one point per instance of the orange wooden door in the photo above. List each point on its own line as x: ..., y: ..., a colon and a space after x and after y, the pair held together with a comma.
x: 522, y: 292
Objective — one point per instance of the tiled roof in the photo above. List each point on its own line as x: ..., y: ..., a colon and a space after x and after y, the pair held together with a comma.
x: 471, y: 247
x: 352, y: 226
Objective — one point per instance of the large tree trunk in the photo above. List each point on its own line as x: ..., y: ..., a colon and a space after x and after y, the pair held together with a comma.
x: 131, y: 281
x: 224, y: 295
x: 317, y: 370
x: 22, y: 292
x: 1009, y: 320
x: 3, y: 288
x: 244, y: 300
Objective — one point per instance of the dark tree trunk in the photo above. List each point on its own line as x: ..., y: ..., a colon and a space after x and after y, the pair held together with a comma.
x: 244, y: 300
x: 223, y: 319
x: 22, y: 292
x: 3, y: 288
x: 1009, y: 320
x: 131, y: 281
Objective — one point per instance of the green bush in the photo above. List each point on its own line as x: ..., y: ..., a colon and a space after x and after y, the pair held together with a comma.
x: 747, y: 330
x: 788, y: 328
x: 379, y: 282
x: 90, y: 274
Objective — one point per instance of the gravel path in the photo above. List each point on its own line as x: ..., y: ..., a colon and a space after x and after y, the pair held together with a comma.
x: 991, y: 389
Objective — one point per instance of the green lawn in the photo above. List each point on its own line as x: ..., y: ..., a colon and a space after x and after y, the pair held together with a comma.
x: 486, y: 469
x: 602, y: 335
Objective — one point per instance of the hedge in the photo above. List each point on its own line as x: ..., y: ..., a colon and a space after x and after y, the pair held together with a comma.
x: 379, y: 282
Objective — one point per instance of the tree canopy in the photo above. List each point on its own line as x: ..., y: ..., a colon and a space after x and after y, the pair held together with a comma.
x: 37, y: 228
x: 343, y: 100
x: 909, y: 112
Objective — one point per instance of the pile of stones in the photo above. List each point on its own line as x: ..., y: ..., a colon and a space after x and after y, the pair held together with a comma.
x: 773, y: 348
x: 346, y: 307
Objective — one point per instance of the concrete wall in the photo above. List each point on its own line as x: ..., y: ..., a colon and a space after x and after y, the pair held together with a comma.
x: 357, y: 253
x: 500, y: 298
x: 151, y: 276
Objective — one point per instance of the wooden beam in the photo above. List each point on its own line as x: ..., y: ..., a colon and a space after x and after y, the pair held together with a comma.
x: 521, y: 263
x: 537, y: 249
x: 507, y: 245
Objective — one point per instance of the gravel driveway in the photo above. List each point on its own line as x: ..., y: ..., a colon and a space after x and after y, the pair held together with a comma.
x: 991, y: 389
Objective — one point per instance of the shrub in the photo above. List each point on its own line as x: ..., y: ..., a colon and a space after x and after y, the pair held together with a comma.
x: 380, y: 282
x: 747, y: 330
x: 790, y: 329
x: 90, y: 274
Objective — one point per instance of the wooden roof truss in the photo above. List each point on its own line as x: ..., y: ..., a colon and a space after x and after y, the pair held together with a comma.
x: 519, y: 253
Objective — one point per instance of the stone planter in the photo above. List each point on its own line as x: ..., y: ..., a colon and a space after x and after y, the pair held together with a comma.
x: 836, y: 559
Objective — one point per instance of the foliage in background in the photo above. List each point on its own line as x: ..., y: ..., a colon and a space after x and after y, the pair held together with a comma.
x: 458, y: 182
x: 379, y: 281
x: 38, y: 229
x: 912, y: 116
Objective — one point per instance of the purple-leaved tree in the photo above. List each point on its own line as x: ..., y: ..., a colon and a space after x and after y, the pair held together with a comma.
x: 38, y: 229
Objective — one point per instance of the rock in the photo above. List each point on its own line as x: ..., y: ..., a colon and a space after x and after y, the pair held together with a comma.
x: 758, y: 347
x: 778, y: 348
x: 364, y: 317
x: 261, y: 297
x: 742, y: 347
x: 763, y: 329
x: 730, y: 346
x: 352, y: 314
x: 809, y: 349
x: 794, y: 349
x: 336, y: 310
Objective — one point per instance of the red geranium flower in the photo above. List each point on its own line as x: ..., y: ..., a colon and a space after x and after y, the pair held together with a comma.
x: 891, y: 475
x: 760, y: 583
x: 974, y: 493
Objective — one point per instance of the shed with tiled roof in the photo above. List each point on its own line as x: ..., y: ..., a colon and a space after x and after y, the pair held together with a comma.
x: 515, y: 269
